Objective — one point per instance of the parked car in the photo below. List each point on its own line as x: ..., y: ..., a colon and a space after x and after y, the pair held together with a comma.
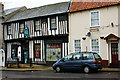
x: 85, y: 61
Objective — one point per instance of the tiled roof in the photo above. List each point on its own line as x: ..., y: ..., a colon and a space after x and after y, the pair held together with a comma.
x: 80, y: 6
x: 8, y: 11
x: 46, y: 10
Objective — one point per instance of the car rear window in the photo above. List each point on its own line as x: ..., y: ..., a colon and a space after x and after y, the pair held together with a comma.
x: 96, y: 56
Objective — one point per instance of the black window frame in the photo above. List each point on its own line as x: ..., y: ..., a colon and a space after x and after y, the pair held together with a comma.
x: 40, y: 24
x: 53, y: 17
x: 21, y: 22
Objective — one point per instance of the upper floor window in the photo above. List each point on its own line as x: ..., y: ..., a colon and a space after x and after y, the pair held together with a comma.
x: 44, y: 20
x: 53, y: 23
x: 62, y: 18
x: 95, y: 45
x: 21, y: 29
x: 37, y: 25
x: 9, y: 30
x: 77, y: 46
x: 95, y: 18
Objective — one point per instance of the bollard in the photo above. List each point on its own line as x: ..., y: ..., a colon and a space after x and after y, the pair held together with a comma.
x: 18, y: 62
x: 30, y: 61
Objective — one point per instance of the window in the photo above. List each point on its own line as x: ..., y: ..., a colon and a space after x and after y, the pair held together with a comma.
x: 62, y: 18
x: 77, y: 46
x: 53, y: 23
x: 87, y: 56
x: 9, y: 29
x: 77, y: 57
x: 53, y: 51
x: 37, y: 25
x: 95, y: 21
x: 95, y: 45
x: 21, y: 27
x: 68, y: 58
x: 37, y: 49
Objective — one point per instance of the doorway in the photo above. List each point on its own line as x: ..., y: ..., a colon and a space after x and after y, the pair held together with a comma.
x: 114, y: 52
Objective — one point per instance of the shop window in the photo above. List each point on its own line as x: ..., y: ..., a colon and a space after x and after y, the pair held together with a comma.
x: 9, y: 29
x: 95, y: 45
x: 37, y: 25
x: 53, y: 52
x: 37, y: 51
x: 13, y: 51
x: 21, y: 27
x: 53, y: 23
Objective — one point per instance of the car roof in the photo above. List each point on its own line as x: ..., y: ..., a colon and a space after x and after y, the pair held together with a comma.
x: 83, y: 52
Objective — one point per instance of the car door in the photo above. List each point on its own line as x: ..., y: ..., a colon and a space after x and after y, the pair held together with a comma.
x: 77, y: 61
x: 67, y: 64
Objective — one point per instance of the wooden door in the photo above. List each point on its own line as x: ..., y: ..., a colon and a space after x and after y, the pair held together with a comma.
x: 114, y: 52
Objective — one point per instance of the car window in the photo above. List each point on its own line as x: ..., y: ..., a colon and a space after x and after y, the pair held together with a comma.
x: 97, y: 56
x: 68, y: 58
x: 77, y: 57
x: 87, y: 56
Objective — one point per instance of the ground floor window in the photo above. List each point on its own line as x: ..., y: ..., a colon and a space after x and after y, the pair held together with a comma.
x: 95, y: 45
x: 37, y: 50
x: 14, y: 51
x: 53, y: 51
x: 77, y: 46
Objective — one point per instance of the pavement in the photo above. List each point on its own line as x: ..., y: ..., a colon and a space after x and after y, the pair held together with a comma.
x: 26, y: 67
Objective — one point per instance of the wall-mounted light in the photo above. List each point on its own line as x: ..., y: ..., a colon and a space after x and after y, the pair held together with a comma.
x: 102, y: 37
x: 84, y: 38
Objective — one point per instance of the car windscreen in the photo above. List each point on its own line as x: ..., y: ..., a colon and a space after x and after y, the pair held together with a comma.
x: 97, y: 57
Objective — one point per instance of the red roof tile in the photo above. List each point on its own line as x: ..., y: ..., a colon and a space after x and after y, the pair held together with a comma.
x: 80, y: 6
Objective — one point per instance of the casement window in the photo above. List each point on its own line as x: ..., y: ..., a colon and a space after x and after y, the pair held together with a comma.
x: 77, y: 45
x: 53, y: 23
x: 95, y: 45
x: 95, y: 18
x: 62, y: 18
x: 21, y: 27
x: 37, y: 25
x: 37, y: 50
x: 9, y: 30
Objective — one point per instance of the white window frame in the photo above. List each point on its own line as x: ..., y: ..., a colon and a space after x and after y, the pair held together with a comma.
x: 74, y: 45
x: 91, y: 17
x: 98, y: 45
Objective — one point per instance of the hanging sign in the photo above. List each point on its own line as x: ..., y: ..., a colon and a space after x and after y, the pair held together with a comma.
x: 26, y: 32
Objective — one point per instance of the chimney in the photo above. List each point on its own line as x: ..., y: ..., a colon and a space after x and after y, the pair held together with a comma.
x: 1, y: 8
